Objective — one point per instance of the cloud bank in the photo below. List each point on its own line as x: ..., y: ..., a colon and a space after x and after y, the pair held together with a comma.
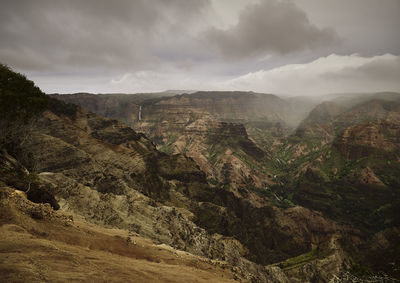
x: 331, y: 74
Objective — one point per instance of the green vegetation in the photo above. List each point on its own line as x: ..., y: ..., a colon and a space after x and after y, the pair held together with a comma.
x: 167, y: 147
x: 214, y: 152
x: 331, y: 184
x: 20, y: 102
x: 360, y: 270
x: 20, y: 99
x: 61, y: 108
x: 299, y: 260
x: 334, y: 188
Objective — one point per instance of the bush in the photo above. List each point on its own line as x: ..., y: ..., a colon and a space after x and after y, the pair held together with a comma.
x: 19, y: 97
x: 20, y: 101
x: 62, y: 108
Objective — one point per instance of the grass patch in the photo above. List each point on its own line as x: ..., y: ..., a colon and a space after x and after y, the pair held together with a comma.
x: 298, y: 261
x: 167, y: 148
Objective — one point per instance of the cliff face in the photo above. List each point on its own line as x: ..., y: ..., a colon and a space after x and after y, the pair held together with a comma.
x: 356, y: 164
x: 370, y: 139
x: 318, y: 123
x: 367, y: 129
x: 239, y: 106
x: 208, y: 127
x: 107, y: 106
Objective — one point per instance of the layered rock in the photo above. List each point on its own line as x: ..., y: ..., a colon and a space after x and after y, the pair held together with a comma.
x: 369, y: 138
x: 184, y: 123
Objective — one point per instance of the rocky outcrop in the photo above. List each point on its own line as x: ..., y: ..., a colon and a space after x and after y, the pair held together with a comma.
x: 369, y: 138
x: 107, y: 173
x: 185, y: 123
x: 320, y: 268
x: 39, y: 244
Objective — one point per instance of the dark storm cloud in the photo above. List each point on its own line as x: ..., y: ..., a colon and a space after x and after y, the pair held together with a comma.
x: 271, y: 26
x: 42, y: 34
x: 367, y: 27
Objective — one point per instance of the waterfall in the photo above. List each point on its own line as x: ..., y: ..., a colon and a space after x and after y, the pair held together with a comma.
x: 140, y: 113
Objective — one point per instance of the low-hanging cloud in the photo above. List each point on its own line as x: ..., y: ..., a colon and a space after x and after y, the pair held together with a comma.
x: 331, y: 74
x: 270, y: 27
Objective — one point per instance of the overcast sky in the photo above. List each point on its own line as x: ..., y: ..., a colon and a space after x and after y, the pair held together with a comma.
x: 302, y: 47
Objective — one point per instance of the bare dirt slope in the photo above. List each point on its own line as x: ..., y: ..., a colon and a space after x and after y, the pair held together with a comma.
x: 38, y: 244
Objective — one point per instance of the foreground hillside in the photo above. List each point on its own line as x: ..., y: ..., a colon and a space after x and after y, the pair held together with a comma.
x: 38, y: 244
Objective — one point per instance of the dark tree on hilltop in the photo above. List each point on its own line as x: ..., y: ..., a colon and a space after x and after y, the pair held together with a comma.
x: 20, y: 101
x: 19, y: 97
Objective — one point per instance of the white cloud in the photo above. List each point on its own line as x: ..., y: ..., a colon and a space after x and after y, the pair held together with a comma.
x: 151, y: 81
x: 330, y: 74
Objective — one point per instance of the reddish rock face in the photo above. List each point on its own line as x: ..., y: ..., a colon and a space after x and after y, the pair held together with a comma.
x: 369, y: 138
x: 206, y: 126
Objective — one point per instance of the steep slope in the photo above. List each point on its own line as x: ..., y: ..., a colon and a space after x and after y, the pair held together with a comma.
x: 198, y: 125
x: 358, y: 163
x: 318, y: 122
x: 330, y: 119
x: 59, y: 248
x: 103, y: 170
x: 232, y: 106
x: 344, y: 162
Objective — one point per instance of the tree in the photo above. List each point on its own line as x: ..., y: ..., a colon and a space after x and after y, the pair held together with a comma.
x: 20, y: 102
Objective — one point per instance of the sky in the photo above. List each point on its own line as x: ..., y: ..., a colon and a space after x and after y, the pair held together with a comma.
x: 285, y: 47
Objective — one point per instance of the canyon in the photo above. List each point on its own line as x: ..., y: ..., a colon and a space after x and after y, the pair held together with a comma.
x: 218, y: 186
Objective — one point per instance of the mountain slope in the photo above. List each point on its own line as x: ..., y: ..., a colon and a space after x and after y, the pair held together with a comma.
x: 198, y: 125
x: 57, y: 247
x: 357, y: 163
